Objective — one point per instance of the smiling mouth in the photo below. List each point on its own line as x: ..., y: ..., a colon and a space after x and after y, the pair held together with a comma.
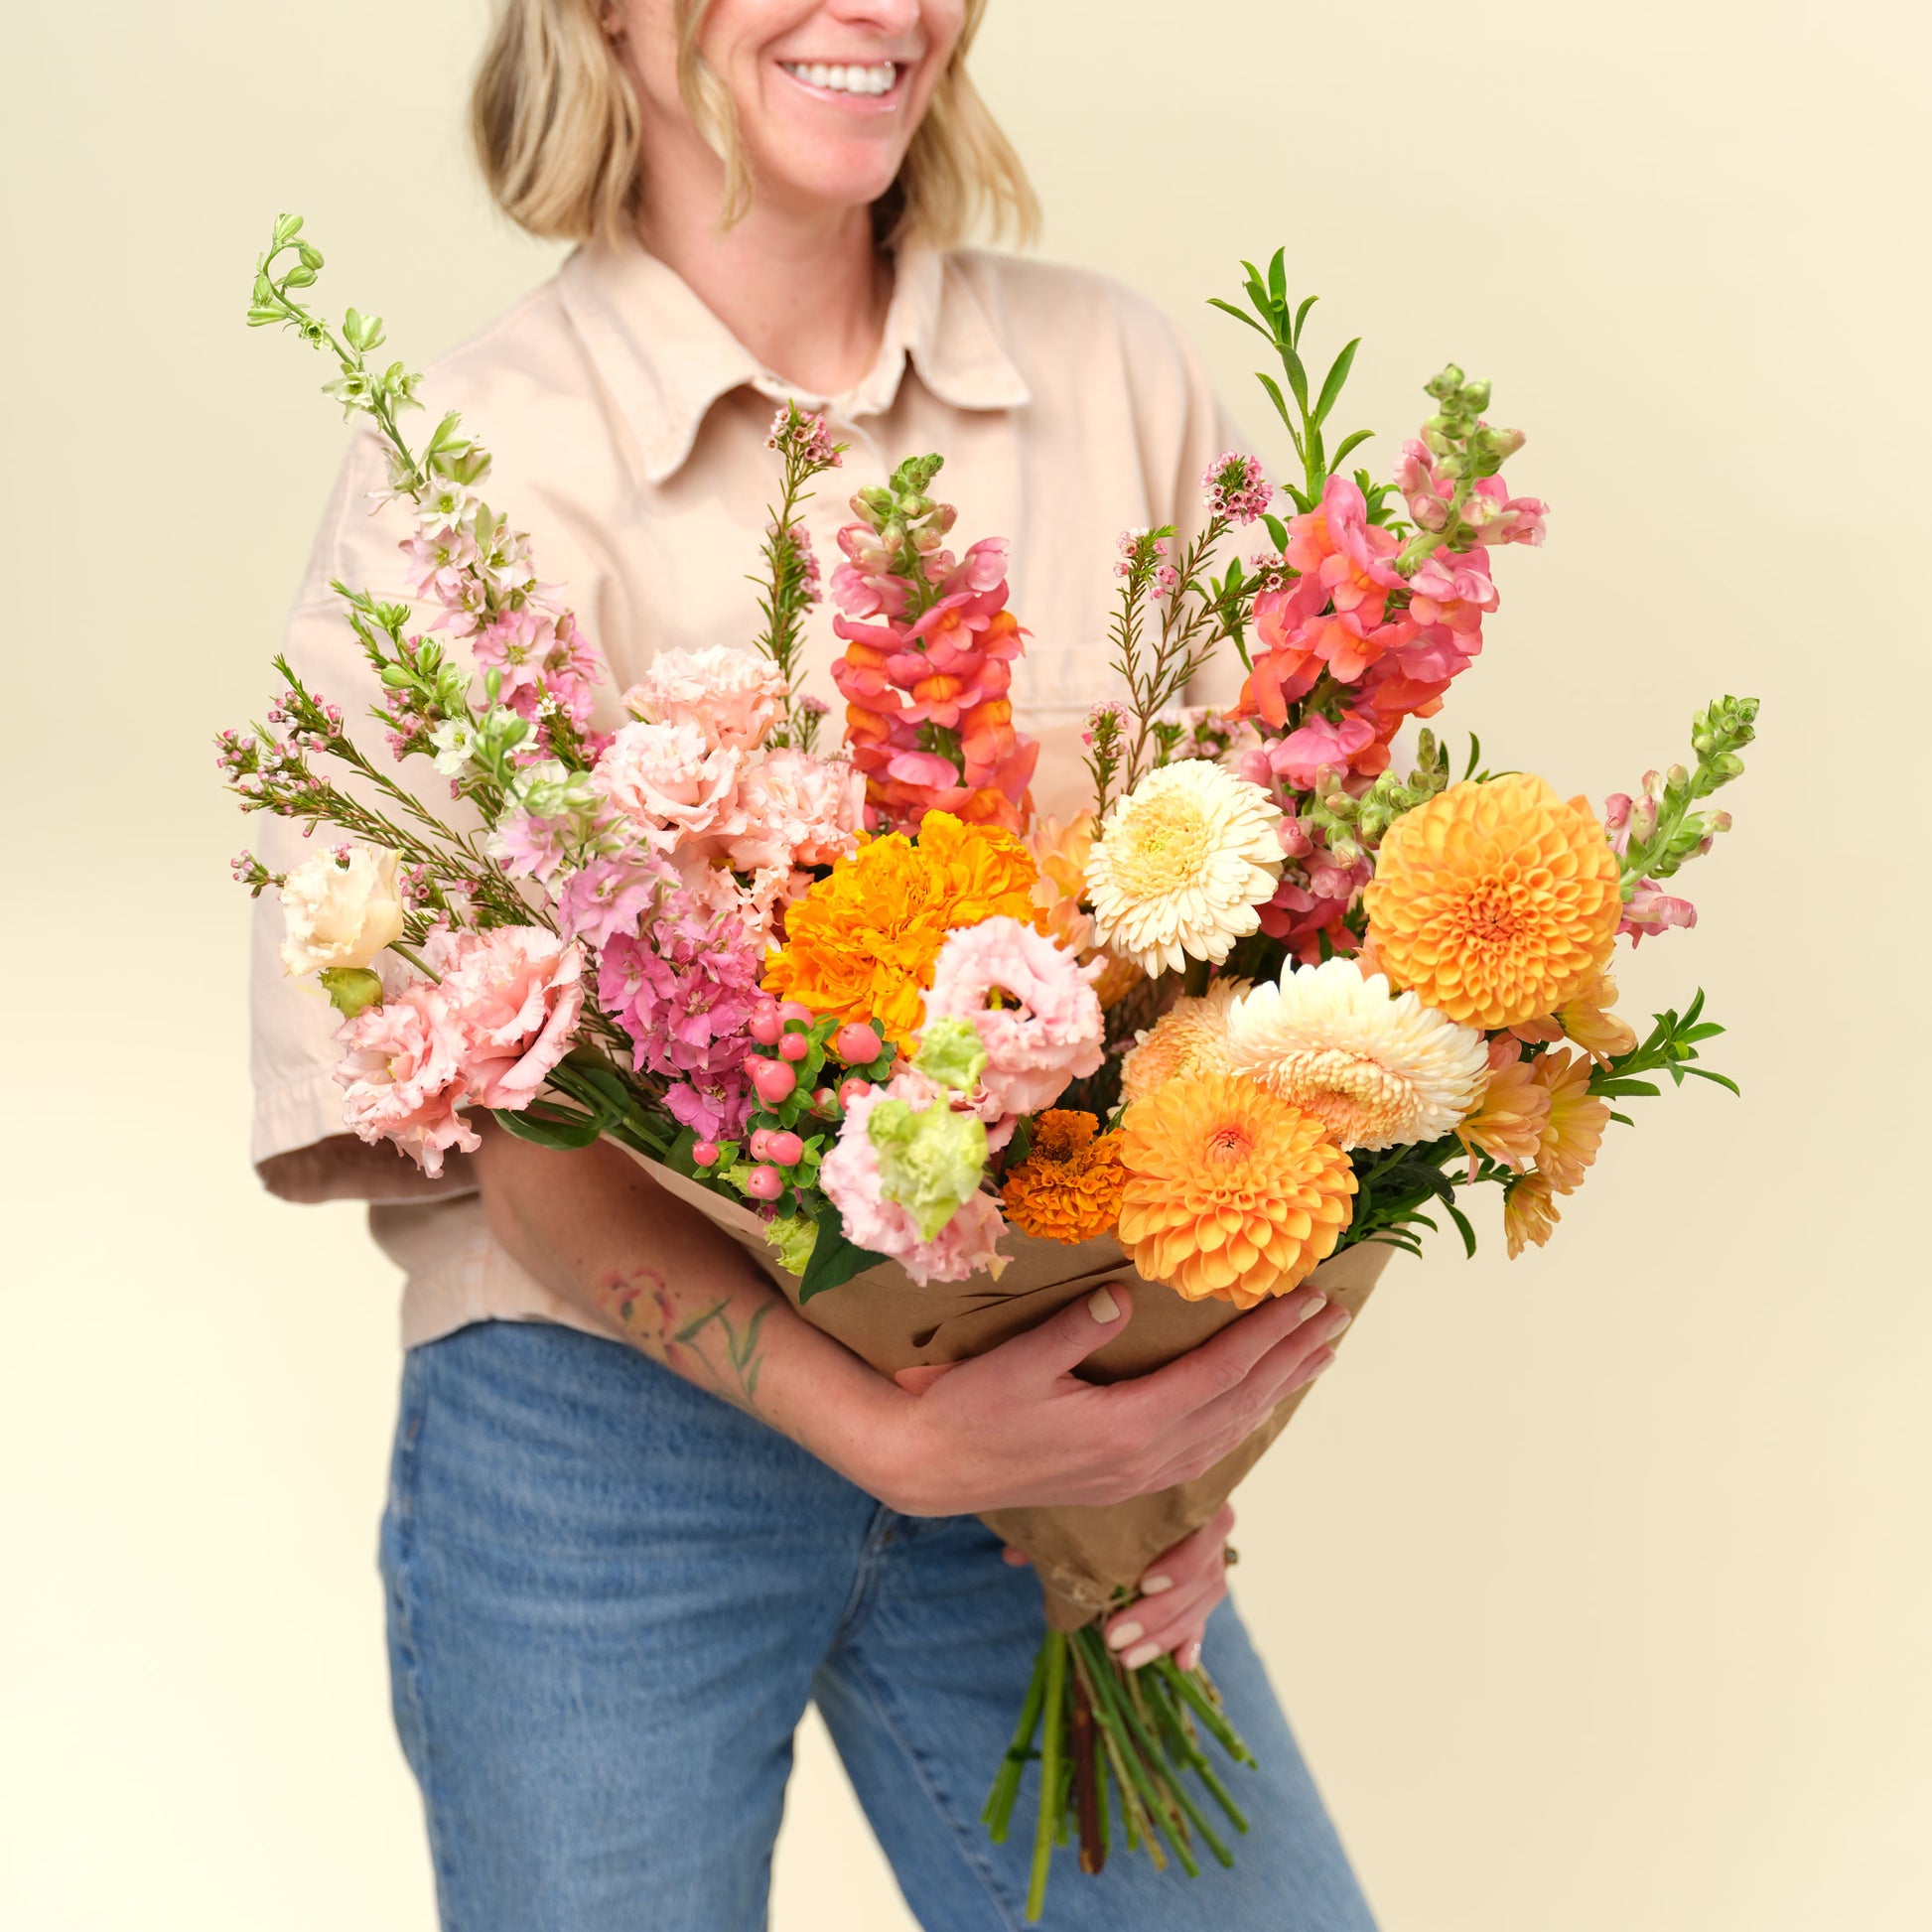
x: 868, y: 81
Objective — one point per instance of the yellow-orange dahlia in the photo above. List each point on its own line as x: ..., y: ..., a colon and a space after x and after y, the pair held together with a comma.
x: 861, y: 944
x: 1188, y: 1039
x: 1530, y: 1214
x: 1231, y: 1193
x: 1068, y: 1186
x: 1575, y: 1128
x: 1496, y: 903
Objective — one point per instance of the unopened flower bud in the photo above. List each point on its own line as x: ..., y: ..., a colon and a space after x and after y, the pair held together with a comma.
x: 704, y: 1154
x: 785, y: 1147
x: 772, y: 1081
x: 794, y: 1046
x: 1676, y: 778
x: 1643, y: 820
x: 1475, y: 397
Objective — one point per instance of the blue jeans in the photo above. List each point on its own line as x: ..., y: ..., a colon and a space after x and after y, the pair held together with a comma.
x: 610, y: 1597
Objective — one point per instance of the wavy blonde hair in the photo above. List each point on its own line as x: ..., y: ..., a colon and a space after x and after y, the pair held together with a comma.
x: 558, y: 130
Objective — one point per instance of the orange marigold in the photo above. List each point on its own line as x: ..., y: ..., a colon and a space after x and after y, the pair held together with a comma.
x: 862, y: 942
x: 1495, y: 903
x: 1231, y: 1193
x: 1068, y: 1186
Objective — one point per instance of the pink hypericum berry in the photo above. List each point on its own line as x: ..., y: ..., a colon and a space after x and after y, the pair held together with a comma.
x: 761, y: 1144
x: 772, y: 1081
x: 768, y: 1025
x: 793, y: 1011
x: 785, y: 1147
x: 765, y: 1184
x: 705, y: 1153
x: 856, y: 1044
x: 849, y: 1090
x: 824, y: 1100
x: 794, y: 1046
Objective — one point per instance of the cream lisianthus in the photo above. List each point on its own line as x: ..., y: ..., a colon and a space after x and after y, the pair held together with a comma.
x: 1376, y: 1071
x: 1182, y: 864
x: 341, y: 908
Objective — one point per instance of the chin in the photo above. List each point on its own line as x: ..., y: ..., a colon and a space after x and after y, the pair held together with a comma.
x: 829, y: 180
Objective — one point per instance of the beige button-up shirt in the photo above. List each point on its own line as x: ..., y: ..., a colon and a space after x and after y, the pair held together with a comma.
x: 628, y: 430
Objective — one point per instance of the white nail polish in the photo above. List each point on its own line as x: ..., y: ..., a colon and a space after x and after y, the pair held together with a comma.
x: 1102, y: 1307
x: 1126, y: 1633
x: 1140, y: 1658
x: 1153, y: 1586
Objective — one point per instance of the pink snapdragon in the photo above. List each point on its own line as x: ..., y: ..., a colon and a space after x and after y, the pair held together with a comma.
x: 1651, y: 911
x: 1032, y: 1006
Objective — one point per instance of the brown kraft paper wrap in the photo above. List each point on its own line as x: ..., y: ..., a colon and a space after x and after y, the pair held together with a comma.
x: 1082, y: 1552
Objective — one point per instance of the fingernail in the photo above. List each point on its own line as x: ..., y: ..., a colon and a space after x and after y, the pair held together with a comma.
x: 1124, y: 1635
x: 1310, y: 1369
x: 1153, y: 1586
x: 1337, y: 1322
x: 1313, y: 1309
x: 1102, y: 1307
x: 1141, y: 1656
x: 1191, y: 1657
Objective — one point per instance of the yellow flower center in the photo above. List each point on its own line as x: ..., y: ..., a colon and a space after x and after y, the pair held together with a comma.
x: 1162, y: 846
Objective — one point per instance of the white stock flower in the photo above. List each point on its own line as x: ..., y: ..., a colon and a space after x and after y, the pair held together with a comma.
x: 341, y: 908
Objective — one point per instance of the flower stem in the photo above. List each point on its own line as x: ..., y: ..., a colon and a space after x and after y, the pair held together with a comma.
x: 1055, y: 1654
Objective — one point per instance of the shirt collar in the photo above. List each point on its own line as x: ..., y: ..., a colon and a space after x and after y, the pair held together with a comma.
x: 667, y: 358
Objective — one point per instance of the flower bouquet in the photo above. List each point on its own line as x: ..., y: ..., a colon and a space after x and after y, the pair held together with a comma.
x: 1259, y: 1016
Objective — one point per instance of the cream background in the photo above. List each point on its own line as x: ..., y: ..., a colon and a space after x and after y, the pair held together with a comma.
x: 1598, y: 1585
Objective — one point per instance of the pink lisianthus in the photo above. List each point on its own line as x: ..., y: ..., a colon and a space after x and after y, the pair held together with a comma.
x: 401, y: 1073
x: 795, y: 811
x: 1032, y: 1006
x: 849, y: 1174
x: 514, y: 995
x: 733, y: 697
x: 670, y: 782
x: 1651, y: 911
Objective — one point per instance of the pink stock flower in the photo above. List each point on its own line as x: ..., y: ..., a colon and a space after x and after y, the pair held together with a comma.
x: 440, y: 561
x: 401, y: 1075
x: 1032, y: 1006
x: 849, y: 1174
x: 795, y: 811
x: 733, y: 697
x: 529, y: 845
x: 513, y: 995
x: 670, y: 782
x: 610, y: 895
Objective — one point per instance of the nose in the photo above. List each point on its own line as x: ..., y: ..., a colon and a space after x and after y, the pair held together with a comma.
x: 883, y: 16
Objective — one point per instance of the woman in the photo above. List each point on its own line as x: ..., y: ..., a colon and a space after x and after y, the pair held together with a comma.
x: 613, y: 1593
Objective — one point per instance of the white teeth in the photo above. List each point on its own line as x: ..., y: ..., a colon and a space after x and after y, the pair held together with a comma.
x: 846, y: 79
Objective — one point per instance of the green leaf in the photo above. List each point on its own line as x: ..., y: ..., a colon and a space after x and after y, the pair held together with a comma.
x: 1278, y: 278
x: 1463, y: 1228
x: 1705, y: 1073
x: 1331, y: 387
x: 1298, y: 377
x: 1213, y: 302
x: 1302, y: 316
x: 1617, y: 1087
x: 1351, y: 443
x: 1275, y: 396
x: 1277, y: 530
x: 835, y: 1260
x: 1475, y: 754
x: 550, y: 1127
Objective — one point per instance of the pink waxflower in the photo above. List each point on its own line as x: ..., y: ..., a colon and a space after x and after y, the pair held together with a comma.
x: 1032, y: 1006
x: 733, y: 697
x: 966, y: 1246
x: 513, y: 995
x: 1235, y: 486
x: 401, y: 1073
x: 670, y: 781
x: 795, y: 811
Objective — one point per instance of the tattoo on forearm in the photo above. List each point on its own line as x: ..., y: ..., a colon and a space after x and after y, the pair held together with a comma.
x: 711, y: 1347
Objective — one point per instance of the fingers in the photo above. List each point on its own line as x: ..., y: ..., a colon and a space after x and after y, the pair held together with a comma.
x: 1220, y: 1364
x: 1292, y: 1363
x: 1153, y: 1626
x: 1066, y: 1340
x: 1192, y: 1558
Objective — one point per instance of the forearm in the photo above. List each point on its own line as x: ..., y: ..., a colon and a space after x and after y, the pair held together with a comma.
x: 595, y: 1229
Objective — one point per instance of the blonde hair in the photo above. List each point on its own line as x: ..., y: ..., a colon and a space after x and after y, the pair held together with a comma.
x: 558, y: 130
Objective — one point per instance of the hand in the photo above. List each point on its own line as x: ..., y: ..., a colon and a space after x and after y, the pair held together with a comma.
x: 1178, y: 1592
x: 1017, y: 1427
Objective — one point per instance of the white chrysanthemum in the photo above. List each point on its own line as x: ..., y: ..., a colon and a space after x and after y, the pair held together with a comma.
x: 1376, y: 1071
x: 1181, y: 863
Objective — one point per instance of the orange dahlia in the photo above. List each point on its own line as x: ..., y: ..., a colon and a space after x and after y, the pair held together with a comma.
x: 1530, y: 1214
x: 1496, y: 903
x: 1068, y: 1186
x: 1231, y: 1193
x: 862, y: 942
x: 1188, y: 1039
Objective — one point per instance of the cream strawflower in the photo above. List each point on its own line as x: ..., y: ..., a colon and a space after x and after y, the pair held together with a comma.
x: 1188, y: 1039
x: 1376, y: 1071
x: 1182, y: 866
